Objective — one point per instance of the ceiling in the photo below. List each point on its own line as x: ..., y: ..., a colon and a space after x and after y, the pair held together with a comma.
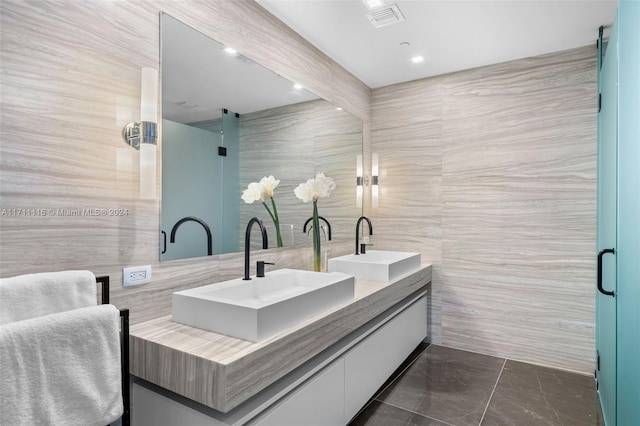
x: 451, y: 35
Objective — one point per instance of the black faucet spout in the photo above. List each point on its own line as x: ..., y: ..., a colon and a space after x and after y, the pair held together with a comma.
x: 172, y: 239
x: 247, y: 242
x: 304, y: 228
x: 358, y: 231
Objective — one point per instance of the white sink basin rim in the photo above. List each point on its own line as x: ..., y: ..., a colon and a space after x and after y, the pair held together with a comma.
x: 259, y: 308
x: 377, y: 265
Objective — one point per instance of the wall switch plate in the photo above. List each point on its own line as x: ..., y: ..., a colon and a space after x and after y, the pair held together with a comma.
x: 136, y: 275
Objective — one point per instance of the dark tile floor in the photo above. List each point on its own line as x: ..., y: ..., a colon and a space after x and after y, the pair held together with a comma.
x: 443, y: 386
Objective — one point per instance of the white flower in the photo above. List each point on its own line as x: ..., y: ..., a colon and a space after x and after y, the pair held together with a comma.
x: 256, y: 191
x: 325, y: 185
x: 312, y: 189
x: 304, y: 191
x: 253, y: 193
x: 269, y: 185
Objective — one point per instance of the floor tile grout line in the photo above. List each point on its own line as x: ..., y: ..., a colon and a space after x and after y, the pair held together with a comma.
x: 401, y: 373
x: 415, y: 412
x: 492, y: 392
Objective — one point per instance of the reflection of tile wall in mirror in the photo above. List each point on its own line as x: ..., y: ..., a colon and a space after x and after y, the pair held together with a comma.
x: 286, y: 132
x: 316, y: 137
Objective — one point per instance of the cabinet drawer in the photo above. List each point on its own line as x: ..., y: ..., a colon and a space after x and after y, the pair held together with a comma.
x: 368, y: 365
x: 318, y: 402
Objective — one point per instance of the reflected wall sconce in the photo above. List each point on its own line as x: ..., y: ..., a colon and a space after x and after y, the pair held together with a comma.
x: 374, y: 181
x: 359, y: 181
x: 143, y: 135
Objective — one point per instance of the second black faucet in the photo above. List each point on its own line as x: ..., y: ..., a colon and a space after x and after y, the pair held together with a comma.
x: 358, y: 232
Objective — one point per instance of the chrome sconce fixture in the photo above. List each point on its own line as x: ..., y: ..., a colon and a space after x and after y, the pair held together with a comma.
x: 143, y: 135
x: 362, y: 180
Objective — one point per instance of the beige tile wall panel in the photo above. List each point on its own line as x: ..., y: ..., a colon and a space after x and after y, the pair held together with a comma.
x: 512, y: 180
x: 70, y: 81
x: 519, y: 210
x: 407, y: 135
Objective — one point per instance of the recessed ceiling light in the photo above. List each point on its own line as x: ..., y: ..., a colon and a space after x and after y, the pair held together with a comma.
x: 417, y: 59
x: 230, y: 50
x: 339, y: 109
x: 297, y: 86
x: 373, y: 4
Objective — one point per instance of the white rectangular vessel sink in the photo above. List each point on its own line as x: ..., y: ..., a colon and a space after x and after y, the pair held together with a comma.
x: 376, y: 265
x: 259, y: 308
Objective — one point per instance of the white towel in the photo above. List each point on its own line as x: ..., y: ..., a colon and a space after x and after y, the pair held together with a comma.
x: 34, y: 295
x: 61, y: 369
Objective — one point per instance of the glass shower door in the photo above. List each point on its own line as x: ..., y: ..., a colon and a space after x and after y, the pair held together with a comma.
x: 606, y: 325
x: 628, y: 220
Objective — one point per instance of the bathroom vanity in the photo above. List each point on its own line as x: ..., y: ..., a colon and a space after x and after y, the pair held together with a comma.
x: 321, y: 371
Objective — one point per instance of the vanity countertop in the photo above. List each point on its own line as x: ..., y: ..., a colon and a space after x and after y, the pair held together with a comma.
x: 221, y: 372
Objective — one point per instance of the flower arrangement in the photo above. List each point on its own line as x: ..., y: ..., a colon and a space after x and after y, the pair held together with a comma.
x: 258, y: 191
x: 313, y: 189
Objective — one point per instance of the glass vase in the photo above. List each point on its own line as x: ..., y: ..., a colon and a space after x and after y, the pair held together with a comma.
x: 317, y: 253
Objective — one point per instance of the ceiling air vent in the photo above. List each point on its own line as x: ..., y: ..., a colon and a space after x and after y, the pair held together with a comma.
x: 385, y: 16
x: 185, y: 104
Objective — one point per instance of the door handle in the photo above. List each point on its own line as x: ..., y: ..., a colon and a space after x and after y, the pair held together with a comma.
x: 164, y: 242
x: 600, y: 289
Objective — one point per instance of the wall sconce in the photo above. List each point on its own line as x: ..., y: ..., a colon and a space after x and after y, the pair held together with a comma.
x: 374, y: 181
x: 362, y: 181
x: 359, y: 181
x: 143, y: 135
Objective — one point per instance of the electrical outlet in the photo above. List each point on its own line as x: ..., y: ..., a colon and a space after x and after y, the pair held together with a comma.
x: 136, y: 275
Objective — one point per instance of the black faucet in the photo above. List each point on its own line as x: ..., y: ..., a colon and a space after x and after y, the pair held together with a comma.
x: 201, y: 222
x: 358, y: 233
x: 304, y: 228
x: 247, y: 242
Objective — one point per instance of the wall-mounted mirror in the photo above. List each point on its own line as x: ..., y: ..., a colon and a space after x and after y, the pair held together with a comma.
x: 227, y: 122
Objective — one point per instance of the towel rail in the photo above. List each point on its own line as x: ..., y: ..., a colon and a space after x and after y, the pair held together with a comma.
x: 124, y: 351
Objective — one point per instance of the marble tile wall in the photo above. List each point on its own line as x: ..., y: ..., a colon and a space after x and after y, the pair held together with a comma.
x: 490, y: 173
x: 70, y: 81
